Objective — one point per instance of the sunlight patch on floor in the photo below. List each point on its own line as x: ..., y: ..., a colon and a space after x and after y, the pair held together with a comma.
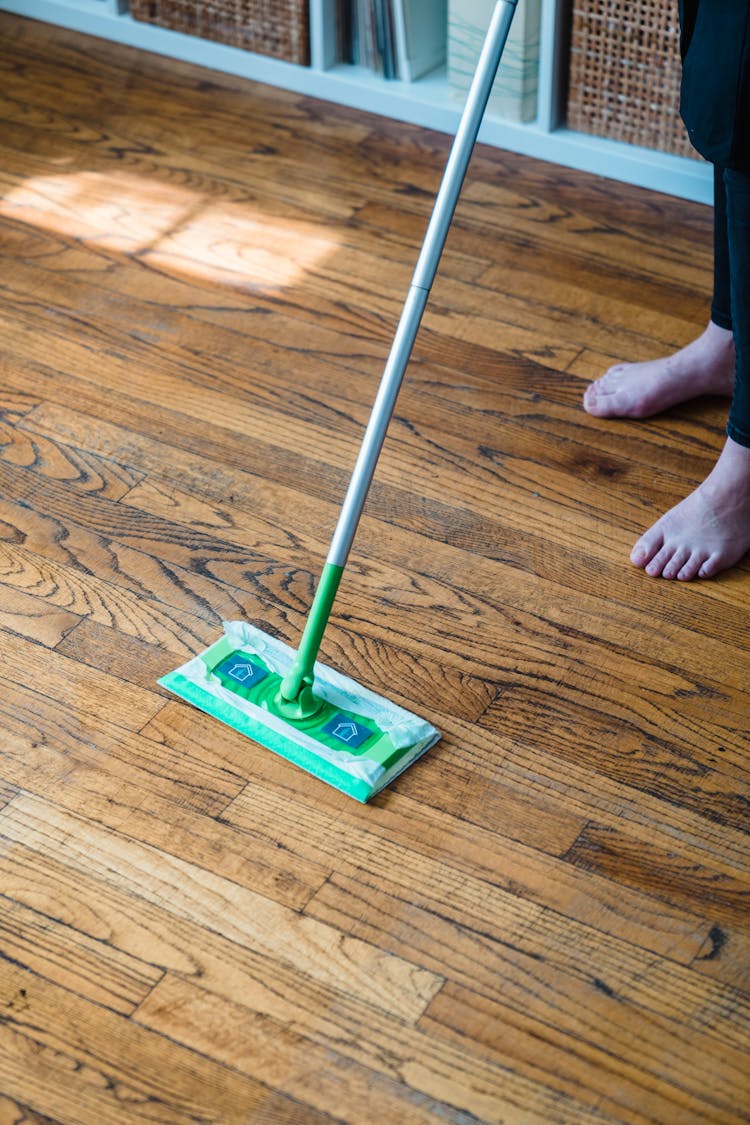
x: 173, y: 228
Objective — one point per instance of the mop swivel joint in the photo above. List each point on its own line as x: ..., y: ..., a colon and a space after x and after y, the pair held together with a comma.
x: 295, y: 699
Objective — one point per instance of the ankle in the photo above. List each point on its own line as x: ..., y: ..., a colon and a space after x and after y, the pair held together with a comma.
x: 719, y: 340
x: 736, y: 458
x: 731, y: 473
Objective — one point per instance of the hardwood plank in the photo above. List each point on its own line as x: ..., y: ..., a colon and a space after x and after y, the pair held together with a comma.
x: 166, y: 310
x: 469, y: 758
x: 247, y: 918
x: 246, y: 491
x: 517, y: 304
x: 82, y: 63
x: 485, y: 532
x: 649, y: 1069
x: 145, y: 609
x: 228, y: 971
x: 635, y: 863
x: 64, y: 682
x: 422, y: 1080
x: 119, y: 539
x: 514, y: 971
x: 189, y: 783
x: 544, y: 219
x: 7, y: 792
x: 406, y: 151
x: 120, y: 595
x: 141, y: 931
x: 14, y: 406
x: 103, y: 912
x: 14, y: 1113
x: 127, y: 657
x: 516, y: 919
x: 634, y: 918
x: 726, y: 957
x: 451, y: 257
x: 588, y: 538
x: 76, y: 1061
x: 656, y: 764
x: 19, y: 447
x: 593, y: 795
x: 560, y: 265
x: 62, y: 953
x: 275, y: 990
x: 506, y: 970
x: 484, y: 536
x: 491, y: 395
x: 343, y: 408
x: 33, y: 617
x: 97, y: 771
x: 688, y: 258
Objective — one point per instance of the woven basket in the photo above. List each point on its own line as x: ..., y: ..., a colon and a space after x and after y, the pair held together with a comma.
x: 625, y: 73
x: 280, y: 28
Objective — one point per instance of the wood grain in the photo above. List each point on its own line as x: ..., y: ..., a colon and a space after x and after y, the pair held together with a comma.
x: 543, y: 922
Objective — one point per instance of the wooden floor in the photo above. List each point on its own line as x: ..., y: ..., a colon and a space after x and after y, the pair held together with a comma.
x: 546, y: 919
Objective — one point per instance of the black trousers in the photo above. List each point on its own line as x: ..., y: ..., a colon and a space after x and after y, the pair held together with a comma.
x: 730, y: 307
x: 715, y: 89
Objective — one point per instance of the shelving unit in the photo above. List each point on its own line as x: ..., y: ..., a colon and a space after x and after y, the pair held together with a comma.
x: 427, y: 102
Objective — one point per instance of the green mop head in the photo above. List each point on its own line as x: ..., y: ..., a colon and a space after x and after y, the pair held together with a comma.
x: 357, y: 741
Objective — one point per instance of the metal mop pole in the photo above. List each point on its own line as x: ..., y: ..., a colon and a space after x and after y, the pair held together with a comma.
x: 301, y: 673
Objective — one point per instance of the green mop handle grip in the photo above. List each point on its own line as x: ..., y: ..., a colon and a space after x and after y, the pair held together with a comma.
x: 301, y: 673
x: 445, y: 204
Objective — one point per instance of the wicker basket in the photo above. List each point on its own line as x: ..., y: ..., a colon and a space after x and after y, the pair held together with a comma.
x: 625, y: 73
x: 269, y: 27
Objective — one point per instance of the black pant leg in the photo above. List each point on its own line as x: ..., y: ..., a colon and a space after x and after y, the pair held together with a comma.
x: 737, y: 186
x: 721, y: 305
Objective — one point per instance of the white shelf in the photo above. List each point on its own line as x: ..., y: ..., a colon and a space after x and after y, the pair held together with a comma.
x: 428, y: 102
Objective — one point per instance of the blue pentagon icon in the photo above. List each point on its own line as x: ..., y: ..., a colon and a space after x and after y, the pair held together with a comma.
x: 345, y: 730
x: 241, y: 669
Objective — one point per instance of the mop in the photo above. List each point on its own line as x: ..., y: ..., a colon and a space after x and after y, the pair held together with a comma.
x: 287, y: 701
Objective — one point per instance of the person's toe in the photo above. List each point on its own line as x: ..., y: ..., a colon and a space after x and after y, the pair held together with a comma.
x: 600, y: 397
x: 646, y: 547
x: 656, y: 566
x: 603, y: 405
x: 673, y: 568
x: 710, y: 566
x: 593, y: 397
x: 692, y: 566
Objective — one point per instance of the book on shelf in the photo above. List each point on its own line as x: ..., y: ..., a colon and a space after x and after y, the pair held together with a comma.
x: 421, y: 36
x: 514, y: 94
x: 399, y: 39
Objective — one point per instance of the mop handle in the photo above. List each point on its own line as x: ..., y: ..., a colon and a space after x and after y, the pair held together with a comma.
x: 424, y: 275
x: 403, y: 342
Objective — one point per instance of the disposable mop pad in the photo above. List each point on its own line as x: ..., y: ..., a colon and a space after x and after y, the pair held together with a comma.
x: 358, y: 741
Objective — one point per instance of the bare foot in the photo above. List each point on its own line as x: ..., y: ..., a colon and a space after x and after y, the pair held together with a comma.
x: 637, y: 390
x: 709, y: 531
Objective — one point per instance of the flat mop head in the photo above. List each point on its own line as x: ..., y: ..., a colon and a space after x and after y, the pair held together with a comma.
x: 358, y: 741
